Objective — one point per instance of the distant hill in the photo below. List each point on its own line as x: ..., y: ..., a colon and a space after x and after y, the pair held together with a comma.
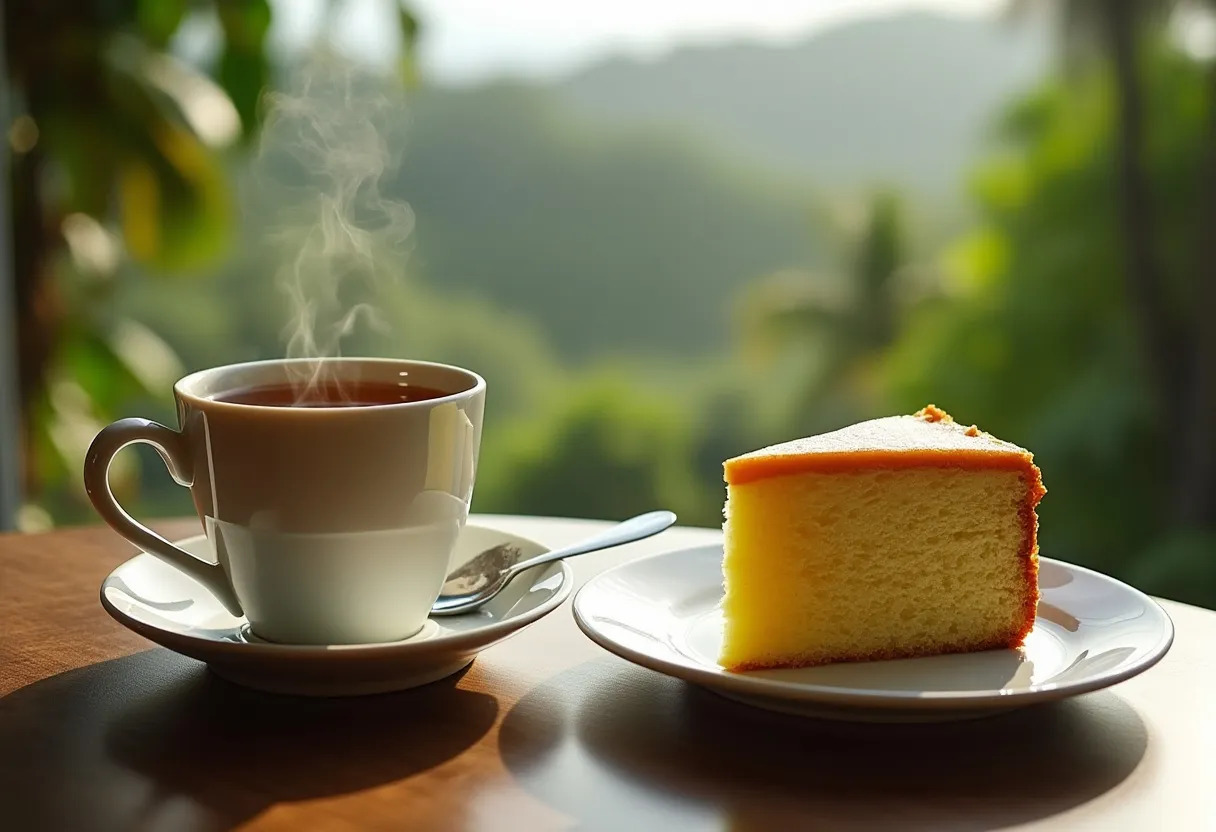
x: 900, y: 99
x: 623, y: 242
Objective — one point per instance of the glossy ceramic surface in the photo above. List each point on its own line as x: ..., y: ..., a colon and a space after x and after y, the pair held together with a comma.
x: 314, y: 511
x: 172, y: 609
x: 1091, y: 631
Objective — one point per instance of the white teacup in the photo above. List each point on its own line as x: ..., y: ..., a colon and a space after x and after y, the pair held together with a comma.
x: 331, y: 524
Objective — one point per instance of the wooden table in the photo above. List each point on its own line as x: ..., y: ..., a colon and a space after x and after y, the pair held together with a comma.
x: 100, y: 731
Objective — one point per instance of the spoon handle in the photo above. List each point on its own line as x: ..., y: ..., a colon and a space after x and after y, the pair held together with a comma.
x: 635, y: 528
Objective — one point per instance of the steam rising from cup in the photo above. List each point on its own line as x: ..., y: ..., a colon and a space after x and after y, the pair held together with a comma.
x: 330, y: 138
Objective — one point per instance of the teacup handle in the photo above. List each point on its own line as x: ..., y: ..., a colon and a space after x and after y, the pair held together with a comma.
x: 171, y: 447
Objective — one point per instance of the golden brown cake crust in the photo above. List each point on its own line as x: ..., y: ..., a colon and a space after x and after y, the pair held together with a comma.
x: 1030, y: 547
x: 932, y: 413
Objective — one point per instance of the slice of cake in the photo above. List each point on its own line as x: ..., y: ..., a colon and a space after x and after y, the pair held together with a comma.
x: 903, y: 536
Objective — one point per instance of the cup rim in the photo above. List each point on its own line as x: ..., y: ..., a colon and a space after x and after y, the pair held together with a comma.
x: 180, y: 391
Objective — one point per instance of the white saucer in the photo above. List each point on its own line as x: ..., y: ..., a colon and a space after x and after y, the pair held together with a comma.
x: 175, y: 611
x: 1092, y: 631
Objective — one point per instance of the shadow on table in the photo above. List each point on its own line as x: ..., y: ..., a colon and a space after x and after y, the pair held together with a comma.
x: 619, y: 749
x: 156, y: 741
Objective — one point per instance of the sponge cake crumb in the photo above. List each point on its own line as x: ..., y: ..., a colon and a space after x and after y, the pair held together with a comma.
x: 898, y: 537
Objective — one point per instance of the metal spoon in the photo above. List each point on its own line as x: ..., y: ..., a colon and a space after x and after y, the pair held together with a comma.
x: 485, y: 575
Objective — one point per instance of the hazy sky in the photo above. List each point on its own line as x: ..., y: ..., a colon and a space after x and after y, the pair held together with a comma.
x: 466, y: 40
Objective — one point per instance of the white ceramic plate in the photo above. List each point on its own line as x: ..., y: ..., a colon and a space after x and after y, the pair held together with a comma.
x: 175, y: 611
x: 1092, y: 631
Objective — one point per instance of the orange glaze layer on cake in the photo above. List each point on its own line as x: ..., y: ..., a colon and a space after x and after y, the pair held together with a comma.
x: 869, y: 445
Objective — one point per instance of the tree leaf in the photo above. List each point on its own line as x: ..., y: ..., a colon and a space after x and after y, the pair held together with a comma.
x: 159, y: 19
x: 410, y: 28
x: 144, y: 355
x: 139, y: 201
x: 174, y: 200
x: 243, y: 69
x: 245, y: 23
x: 173, y: 195
x: 193, y: 98
x: 244, y: 75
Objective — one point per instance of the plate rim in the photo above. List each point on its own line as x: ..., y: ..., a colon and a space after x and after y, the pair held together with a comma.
x: 722, y: 679
x: 474, y: 639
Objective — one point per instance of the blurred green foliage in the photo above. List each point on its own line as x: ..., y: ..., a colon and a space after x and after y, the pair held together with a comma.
x: 603, y: 441
x: 121, y: 158
x: 117, y: 157
x: 643, y: 308
x: 844, y: 323
x: 1037, y: 339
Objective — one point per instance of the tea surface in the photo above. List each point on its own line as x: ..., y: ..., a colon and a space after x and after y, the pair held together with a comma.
x: 331, y: 394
